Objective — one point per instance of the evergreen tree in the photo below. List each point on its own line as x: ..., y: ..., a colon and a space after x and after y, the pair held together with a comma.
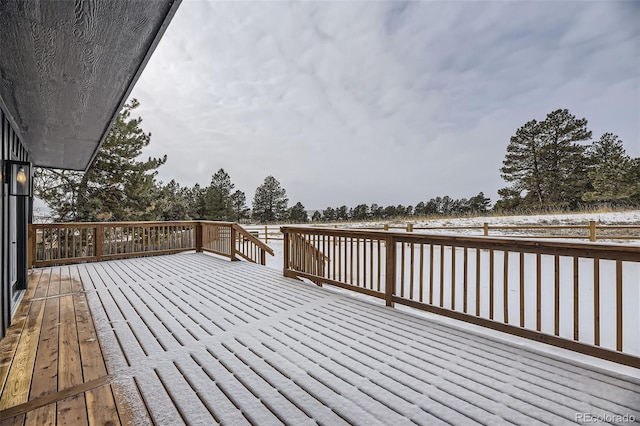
x: 270, y: 201
x: 218, y: 197
x: 297, y: 214
x: 115, y: 187
x: 479, y: 203
x: 389, y: 212
x: 546, y: 162
x: 523, y: 163
x: 197, y: 201
x: 239, y: 205
x: 317, y: 216
x: 565, y: 172
x: 609, y: 171
x: 342, y: 213
x: 360, y: 212
x: 173, y: 202
x: 375, y: 211
x: 329, y: 214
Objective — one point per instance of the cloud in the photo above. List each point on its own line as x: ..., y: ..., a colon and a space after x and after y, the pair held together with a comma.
x: 387, y: 102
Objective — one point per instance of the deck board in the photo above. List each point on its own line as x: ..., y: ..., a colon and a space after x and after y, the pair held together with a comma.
x: 193, y: 339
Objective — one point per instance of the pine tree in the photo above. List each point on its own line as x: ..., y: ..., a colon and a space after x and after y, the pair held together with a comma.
x: 609, y: 171
x: 270, y: 201
x: 115, y: 187
x: 523, y: 163
x: 545, y: 161
x: 329, y: 214
x: 479, y: 203
x: 218, y: 197
x: 342, y: 213
x: 564, y: 169
x: 360, y: 212
x: 297, y: 214
x: 196, y: 199
x: 317, y: 216
x: 239, y: 204
x: 173, y: 203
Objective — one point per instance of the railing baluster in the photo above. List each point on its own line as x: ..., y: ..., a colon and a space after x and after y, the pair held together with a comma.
x: 538, y: 292
x: 402, y: 250
x: 619, y: 305
x: 431, y: 261
x: 379, y: 265
x: 411, y: 272
x: 576, y: 289
x: 465, y: 281
x: 453, y: 278
x: 556, y: 295
x: 596, y: 301
x: 491, y: 283
x: 505, y: 287
x: 441, y: 275
x: 478, y: 292
x: 522, y: 311
x: 421, y: 271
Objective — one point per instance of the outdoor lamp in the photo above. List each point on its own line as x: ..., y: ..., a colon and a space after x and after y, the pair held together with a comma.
x: 18, y: 175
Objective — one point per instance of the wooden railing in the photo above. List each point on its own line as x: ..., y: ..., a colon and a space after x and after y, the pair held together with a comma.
x: 590, y: 230
x: 65, y: 243
x: 578, y: 296
x: 217, y: 237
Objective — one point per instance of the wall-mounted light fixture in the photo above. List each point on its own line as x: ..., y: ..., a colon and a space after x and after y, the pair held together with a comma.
x: 18, y: 175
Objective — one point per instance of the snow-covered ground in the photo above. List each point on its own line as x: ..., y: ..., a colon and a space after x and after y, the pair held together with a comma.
x: 631, y: 279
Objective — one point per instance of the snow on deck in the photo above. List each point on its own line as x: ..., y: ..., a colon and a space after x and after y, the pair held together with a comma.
x: 205, y: 340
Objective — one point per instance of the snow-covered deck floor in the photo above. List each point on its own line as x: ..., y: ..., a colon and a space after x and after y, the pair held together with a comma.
x: 204, y: 340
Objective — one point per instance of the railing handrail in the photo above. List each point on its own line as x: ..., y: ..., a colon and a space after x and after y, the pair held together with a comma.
x: 72, y: 242
x: 594, y: 230
x: 589, y: 250
x: 249, y: 236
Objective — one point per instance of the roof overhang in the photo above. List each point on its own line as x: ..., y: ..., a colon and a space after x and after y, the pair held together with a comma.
x: 68, y: 67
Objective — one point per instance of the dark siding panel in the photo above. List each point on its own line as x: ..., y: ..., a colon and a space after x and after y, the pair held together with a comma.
x: 11, y: 147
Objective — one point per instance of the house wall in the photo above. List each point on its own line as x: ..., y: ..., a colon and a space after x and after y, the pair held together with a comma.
x: 14, y: 218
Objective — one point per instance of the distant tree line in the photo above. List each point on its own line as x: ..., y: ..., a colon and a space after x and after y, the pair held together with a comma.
x: 439, y: 206
x: 549, y: 165
x: 552, y: 164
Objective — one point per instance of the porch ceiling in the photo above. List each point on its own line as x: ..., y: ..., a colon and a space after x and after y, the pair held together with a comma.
x: 67, y: 67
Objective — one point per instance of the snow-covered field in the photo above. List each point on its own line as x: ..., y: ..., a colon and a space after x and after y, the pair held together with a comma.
x: 631, y: 279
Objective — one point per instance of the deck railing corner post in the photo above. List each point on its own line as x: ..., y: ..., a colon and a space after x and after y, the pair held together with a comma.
x: 592, y: 230
x: 198, y: 227
x: 285, y: 250
x: 390, y: 271
x: 234, y: 237
x: 485, y: 229
x: 98, y: 241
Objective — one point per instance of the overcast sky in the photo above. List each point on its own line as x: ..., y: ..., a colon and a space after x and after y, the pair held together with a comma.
x: 386, y: 102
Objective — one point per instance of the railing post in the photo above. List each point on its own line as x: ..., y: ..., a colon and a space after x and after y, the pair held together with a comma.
x: 386, y: 227
x: 409, y: 227
x: 266, y: 234
x: 31, y: 244
x: 198, y: 226
x: 263, y: 257
x: 485, y: 228
x: 592, y: 230
x: 234, y: 236
x: 390, y: 271
x: 285, y: 251
x: 98, y: 241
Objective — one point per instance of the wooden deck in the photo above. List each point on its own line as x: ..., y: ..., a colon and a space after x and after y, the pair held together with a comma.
x: 193, y: 339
